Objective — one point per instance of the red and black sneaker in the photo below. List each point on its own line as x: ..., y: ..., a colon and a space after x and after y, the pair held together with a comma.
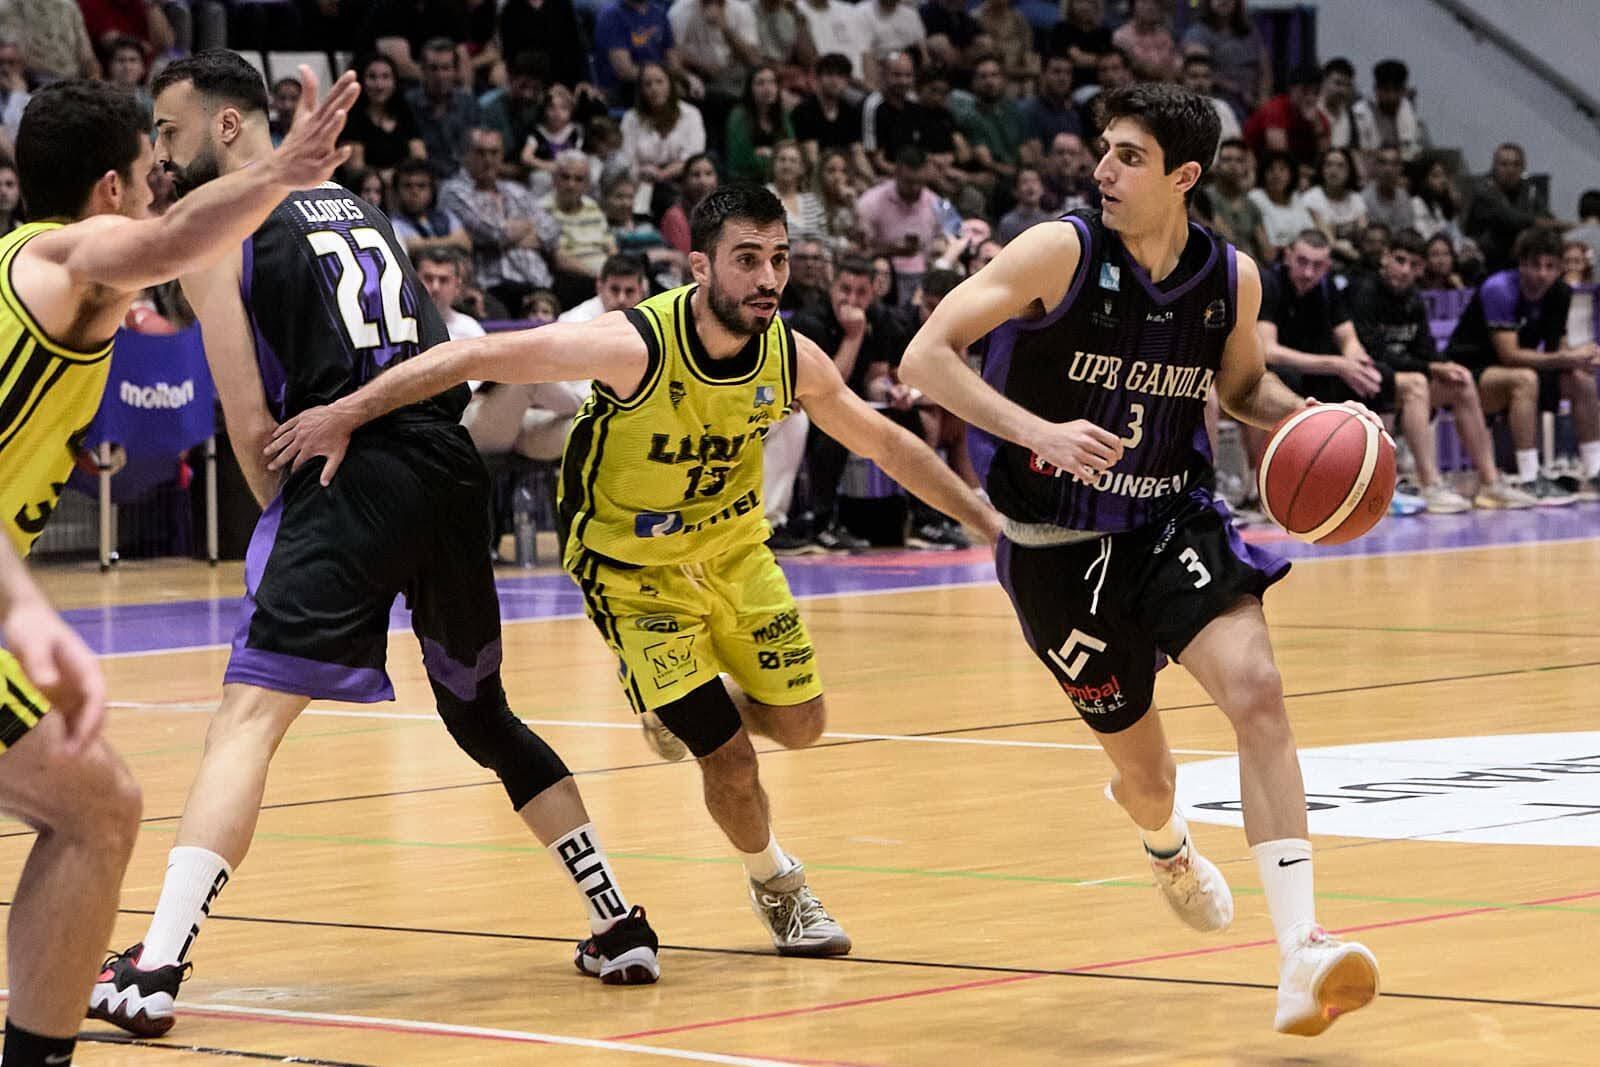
x: 139, y: 1001
x: 624, y: 954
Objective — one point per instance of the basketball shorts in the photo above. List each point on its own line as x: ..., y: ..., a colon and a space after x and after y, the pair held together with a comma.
x: 21, y: 705
x: 675, y: 628
x: 1332, y: 389
x: 407, y: 513
x: 1105, y: 615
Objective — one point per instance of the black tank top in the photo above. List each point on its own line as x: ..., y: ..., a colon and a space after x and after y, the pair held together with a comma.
x: 333, y: 300
x: 1134, y: 357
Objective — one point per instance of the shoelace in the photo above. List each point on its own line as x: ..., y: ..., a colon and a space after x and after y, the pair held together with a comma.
x: 113, y: 957
x: 796, y: 911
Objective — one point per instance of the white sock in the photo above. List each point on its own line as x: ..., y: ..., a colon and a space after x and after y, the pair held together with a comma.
x: 1527, y: 464
x: 194, y: 878
x: 1589, y: 453
x: 767, y: 864
x: 1285, y: 867
x: 1164, y: 843
x: 580, y: 853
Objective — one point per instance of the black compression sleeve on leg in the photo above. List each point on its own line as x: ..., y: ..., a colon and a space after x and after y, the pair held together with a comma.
x: 487, y: 731
x: 705, y: 720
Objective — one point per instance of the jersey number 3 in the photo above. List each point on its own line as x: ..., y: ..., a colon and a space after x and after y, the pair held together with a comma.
x: 399, y: 326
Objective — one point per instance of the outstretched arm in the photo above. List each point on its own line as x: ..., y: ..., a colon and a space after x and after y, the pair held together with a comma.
x: 122, y: 255
x: 608, y: 350
x: 846, y: 418
x: 1028, y: 278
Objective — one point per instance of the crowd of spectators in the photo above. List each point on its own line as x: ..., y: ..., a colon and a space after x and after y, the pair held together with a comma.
x: 537, y: 151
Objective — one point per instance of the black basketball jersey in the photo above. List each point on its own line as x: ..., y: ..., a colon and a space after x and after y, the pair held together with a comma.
x: 1132, y: 356
x: 333, y: 300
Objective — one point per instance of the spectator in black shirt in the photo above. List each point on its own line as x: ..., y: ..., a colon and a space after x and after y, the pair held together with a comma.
x: 1503, y: 205
x: 951, y: 33
x: 1083, y: 38
x: 827, y: 120
x: 550, y: 28
x: 1307, y: 334
x: 399, y: 29
x: 890, y: 118
x: 380, y: 124
x: 1392, y: 323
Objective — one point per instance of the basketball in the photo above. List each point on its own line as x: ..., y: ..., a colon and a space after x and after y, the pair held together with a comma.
x: 1327, y: 475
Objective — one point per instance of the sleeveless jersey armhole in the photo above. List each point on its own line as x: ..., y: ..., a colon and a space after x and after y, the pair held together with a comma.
x: 648, y: 325
x: 1086, y: 256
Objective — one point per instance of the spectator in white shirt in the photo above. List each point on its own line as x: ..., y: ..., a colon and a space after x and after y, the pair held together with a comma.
x: 837, y: 26
x: 1283, y: 211
x: 659, y: 133
x: 892, y: 26
x: 440, y: 271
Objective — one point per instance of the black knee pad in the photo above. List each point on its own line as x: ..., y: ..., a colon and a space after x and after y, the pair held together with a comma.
x: 705, y: 720
x: 485, y: 729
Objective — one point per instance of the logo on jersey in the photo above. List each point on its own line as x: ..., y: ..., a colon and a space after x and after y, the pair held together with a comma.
x: 675, y: 393
x: 671, y: 660
x: 1215, y: 316
x: 657, y: 523
x: 1102, y: 699
x: 1073, y: 655
x: 1111, y: 277
x: 765, y: 394
x: 657, y: 624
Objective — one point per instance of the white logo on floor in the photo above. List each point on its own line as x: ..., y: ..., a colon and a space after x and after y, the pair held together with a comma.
x: 1516, y: 789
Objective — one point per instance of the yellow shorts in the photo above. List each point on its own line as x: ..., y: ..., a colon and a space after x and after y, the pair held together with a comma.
x: 21, y: 705
x: 674, y: 628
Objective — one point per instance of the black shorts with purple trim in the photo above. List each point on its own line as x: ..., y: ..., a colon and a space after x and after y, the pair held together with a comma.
x: 407, y: 513
x: 1104, y: 615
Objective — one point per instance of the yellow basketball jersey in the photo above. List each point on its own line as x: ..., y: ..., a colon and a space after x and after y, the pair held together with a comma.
x: 673, y: 474
x: 48, y: 395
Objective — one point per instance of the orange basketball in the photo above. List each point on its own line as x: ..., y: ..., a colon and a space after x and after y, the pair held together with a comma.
x: 1327, y: 475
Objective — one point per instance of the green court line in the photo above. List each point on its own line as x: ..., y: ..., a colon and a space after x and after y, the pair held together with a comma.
x: 911, y: 872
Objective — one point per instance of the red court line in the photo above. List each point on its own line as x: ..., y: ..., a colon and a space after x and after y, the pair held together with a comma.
x: 1107, y: 965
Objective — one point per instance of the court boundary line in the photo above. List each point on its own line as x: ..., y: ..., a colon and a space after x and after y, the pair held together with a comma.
x: 128, y: 1041
x: 426, y: 1028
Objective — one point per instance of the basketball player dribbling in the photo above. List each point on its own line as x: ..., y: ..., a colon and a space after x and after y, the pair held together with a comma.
x: 1108, y: 330
x: 315, y: 302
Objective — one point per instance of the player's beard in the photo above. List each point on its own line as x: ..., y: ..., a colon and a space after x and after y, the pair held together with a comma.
x: 732, y: 313
x: 204, y: 167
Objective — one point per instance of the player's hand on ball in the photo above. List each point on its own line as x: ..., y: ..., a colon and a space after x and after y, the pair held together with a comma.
x: 320, y: 431
x: 1080, y: 448
x: 311, y: 152
x: 1364, y: 411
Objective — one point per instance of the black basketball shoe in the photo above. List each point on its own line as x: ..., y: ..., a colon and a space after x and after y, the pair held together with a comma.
x: 139, y: 1001
x: 624, y: 954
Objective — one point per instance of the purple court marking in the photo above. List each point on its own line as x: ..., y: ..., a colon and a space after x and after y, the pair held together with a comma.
x: 180, y: 624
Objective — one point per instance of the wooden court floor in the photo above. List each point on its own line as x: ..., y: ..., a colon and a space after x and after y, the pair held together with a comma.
x: 395, y: 911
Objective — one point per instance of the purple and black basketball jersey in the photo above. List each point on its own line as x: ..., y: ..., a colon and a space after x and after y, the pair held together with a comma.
x: 333, y: 300
x: 1132, y: 356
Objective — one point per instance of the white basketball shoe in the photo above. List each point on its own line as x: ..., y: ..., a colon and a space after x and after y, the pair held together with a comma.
x: 1194, y: 888
x: 1321, y: 979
